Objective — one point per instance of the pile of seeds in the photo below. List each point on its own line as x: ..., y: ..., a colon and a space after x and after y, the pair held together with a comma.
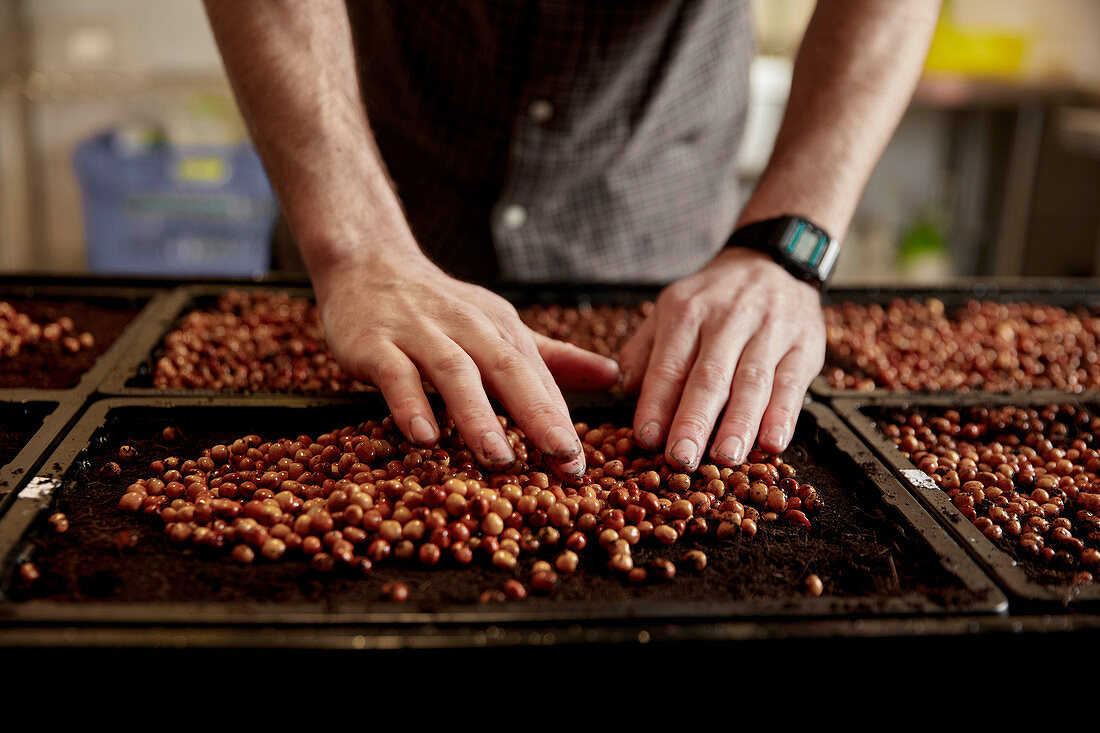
x: 604, y: 329
x: 18, y: 333
x: 361, y: 495
x: 1027, y: 478
x: 914, y: 345
x: 256, y: 341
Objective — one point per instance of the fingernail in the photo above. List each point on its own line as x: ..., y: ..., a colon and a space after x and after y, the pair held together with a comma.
x: 421, y: 431
x: 496, y: 448
x: 686, y: 452
x: 562, y: 442
x: 574, y: 467
x: 776, y: 436
x: 732, y: 448
x: 650, y: 435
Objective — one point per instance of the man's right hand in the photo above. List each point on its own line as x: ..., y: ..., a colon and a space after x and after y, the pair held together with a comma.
x: 389, y: 314
x: 398, y: 323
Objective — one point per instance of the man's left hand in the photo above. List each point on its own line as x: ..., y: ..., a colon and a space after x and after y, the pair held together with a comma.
x: 741, y: 335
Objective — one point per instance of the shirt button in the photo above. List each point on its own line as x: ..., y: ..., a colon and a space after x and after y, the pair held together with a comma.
x: 541, y: 110
x: 513, y: 216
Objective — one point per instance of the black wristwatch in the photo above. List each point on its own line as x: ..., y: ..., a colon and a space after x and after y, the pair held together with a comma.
x: 799, y: 245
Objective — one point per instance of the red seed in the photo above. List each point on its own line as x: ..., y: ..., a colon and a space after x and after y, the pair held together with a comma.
x: 798, y: 518
x: 544, y: 581
x: 28, y: 573
x: 665, y: 534
x: 748, y: 527
x: 696, y: 560
x: 663, y: 569
x: 566, y: 562
x: 125, y: 540
x: 515, y: 590
x: 395, y: 591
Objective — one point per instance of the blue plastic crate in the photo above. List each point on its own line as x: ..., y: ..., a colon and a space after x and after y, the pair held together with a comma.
x: 165, y: 210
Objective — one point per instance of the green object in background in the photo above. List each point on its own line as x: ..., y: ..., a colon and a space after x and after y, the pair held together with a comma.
x: 922, y: 252
x: 921, y: 239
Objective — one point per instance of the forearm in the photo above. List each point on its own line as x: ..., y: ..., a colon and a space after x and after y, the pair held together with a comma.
x: 855, y: 72
x: 293, y: 71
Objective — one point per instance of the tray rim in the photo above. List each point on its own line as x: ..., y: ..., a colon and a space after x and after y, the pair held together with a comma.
x: 43, y: 439
x: 363, y: 638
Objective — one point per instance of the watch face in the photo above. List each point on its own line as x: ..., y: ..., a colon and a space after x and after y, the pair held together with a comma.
x: 806, y: 245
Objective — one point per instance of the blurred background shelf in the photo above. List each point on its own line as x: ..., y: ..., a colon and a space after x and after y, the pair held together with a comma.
x: 994, y: 170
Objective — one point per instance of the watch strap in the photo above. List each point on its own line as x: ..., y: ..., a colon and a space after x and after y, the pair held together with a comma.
x: 800, y: 246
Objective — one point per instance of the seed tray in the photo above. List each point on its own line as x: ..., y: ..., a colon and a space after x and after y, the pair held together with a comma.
x: 158, y: 584
x: 1064, y: 293
x: 1021, y: 576
x: 31, y: 421
x: 133, y: 375
x: 118, y: 313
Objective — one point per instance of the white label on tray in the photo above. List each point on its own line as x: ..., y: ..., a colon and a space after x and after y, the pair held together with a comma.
x: 40, y: 487
x: 919, y: 478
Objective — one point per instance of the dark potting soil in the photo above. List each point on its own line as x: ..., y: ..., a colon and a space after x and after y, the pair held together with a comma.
x: 48, y: 365
x: 12, y: 440
x: 18, y: 424
x: 856, y: 550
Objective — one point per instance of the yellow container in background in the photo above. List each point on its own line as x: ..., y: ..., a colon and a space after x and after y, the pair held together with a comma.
x: 976, y: 51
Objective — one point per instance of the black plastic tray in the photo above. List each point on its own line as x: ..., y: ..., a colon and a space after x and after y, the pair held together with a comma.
x: 1065, y: 293
x: 143, y: 300
x: 132, y: 376
x: 840, y: 451
x: 1022, y: 590
x: 45, y: 414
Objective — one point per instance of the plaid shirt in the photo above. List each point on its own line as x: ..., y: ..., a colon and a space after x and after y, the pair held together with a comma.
x: 560, y: 140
